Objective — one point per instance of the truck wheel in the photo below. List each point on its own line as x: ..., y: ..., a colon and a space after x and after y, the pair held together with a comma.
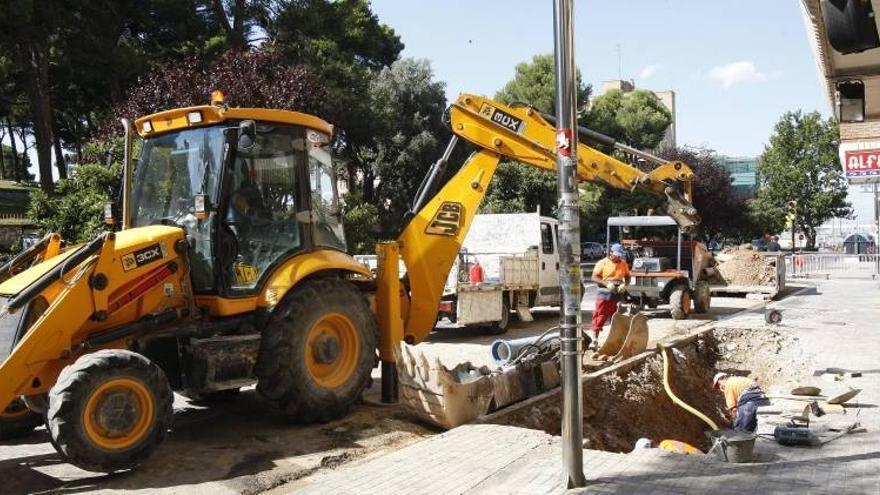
x: 500, y: 327
x: 680, y: 302
x: 318, y: 350
x: 702, y: 297
x: 17, y: 420
x: 109, y: 410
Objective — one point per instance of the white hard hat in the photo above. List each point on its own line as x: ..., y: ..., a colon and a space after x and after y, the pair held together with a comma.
x: 718, y: 378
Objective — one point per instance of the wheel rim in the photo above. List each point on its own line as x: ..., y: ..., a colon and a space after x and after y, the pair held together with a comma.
x: 685, y: 302
x: 331, y: 351
x: 118, y: 413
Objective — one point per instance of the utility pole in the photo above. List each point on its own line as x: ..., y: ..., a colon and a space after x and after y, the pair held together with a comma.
x: 571, y: 352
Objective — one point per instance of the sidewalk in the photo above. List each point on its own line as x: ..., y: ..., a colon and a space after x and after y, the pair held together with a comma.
x: 838, y: 323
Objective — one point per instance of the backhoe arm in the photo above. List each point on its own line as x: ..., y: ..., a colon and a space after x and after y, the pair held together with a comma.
x: 442, y: 213
x: 525, y: 135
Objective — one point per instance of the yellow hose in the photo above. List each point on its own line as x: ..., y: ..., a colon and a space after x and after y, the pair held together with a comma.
x: 675, y: 399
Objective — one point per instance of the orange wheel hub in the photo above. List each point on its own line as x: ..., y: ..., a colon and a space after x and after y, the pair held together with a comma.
x: 118, y: 413
x: 331, y: 351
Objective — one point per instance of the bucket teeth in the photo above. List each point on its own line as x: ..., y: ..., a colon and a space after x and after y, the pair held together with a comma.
x: 439, y: 395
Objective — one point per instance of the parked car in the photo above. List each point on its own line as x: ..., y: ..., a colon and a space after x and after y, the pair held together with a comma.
x: 592, y: 250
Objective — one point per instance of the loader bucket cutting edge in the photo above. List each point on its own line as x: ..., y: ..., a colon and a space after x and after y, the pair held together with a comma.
x: 628, y: 336
x: 440, y: 396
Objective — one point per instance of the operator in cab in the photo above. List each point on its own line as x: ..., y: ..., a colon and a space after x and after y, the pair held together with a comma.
x: 610, y: 274
x: 742, y: 396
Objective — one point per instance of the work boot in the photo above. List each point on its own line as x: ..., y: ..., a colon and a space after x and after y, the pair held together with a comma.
x: 594, y: 340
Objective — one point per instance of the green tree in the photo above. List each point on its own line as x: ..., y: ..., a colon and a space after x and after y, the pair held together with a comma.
x: 534, y: 83
x: 408, y: 130
x: 637, y: 118
x: 801, y: 164
x: 518, y: 187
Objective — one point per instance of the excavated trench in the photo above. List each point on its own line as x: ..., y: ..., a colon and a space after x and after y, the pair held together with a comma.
x: 627, y: 401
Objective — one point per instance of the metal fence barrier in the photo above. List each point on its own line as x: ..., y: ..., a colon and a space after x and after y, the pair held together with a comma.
x: 832, y: 265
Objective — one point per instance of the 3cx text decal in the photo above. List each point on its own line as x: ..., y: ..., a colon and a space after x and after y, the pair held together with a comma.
x: 142, y: 257
x: 447, y: 220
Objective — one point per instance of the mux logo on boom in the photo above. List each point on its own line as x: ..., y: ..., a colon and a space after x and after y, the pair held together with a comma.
x: 502, y: 118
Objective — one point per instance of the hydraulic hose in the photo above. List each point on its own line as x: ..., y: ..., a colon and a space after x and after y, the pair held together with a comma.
x: 674, y: 398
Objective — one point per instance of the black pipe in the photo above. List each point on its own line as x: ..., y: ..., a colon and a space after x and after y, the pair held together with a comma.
x: 10, y: 268
x: 583, y: 132
x: 50, y: 277
x: 148, y: 322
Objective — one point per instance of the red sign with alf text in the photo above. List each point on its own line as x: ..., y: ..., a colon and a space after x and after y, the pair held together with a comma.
x: 862, y: 163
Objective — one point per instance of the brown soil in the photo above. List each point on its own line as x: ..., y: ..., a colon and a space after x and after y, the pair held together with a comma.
x: 769, y: 355
x: 742, y: 265
x: 621, y: 407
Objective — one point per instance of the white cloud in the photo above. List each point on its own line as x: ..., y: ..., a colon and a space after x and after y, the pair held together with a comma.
x: 737, y: 72
x: 649, y: 70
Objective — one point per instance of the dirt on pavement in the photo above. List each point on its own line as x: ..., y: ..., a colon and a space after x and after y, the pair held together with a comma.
x: 742, y: 265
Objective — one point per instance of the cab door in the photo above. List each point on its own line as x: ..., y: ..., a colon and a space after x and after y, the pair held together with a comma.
x: 548, y: 265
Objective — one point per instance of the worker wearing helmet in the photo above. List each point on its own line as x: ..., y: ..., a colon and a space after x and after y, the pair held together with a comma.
x: 610, y: 274
x: 742, y: 396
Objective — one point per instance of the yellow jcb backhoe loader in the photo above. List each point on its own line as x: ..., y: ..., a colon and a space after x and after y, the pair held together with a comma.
x: 230, y: 269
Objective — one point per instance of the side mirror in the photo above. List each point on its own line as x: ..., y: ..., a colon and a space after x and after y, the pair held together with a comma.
x: 201, y: 203
x: 247, y: 134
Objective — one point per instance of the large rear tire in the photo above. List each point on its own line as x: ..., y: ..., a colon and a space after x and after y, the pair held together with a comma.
x: 18, y: 421
x: 109, y: 410
x: 702, y: 297
x: 318, y: 350
x: 500, y: 327
x: 680, y: 302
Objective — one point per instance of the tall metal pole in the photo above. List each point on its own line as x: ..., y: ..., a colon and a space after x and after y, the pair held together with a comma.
x: 572, y: 350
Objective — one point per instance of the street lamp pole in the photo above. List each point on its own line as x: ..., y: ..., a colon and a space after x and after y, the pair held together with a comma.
x: 571, y: 352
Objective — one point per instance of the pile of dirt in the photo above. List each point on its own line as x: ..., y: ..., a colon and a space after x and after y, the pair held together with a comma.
x: 742, y: 265
x: 622, y: 406
x: 770, y: 355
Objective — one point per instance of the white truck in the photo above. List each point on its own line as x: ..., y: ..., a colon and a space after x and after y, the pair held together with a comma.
x: 520, y: 262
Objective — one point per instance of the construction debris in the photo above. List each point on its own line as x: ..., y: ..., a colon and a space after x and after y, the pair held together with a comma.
x: 743, y: 266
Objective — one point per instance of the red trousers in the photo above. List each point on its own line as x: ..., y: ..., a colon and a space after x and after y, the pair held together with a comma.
x: 604, y: 309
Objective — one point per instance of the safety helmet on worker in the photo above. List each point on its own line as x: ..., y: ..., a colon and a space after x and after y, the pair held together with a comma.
x: 718, y: 377
x: 617, y: 250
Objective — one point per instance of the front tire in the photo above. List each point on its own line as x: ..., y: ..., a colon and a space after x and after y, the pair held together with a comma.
x: 109, y: 410
x: 318, y: 350
x: 680, y: 302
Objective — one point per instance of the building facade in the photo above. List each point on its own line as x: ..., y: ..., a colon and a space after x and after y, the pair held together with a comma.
x: 743, y: 171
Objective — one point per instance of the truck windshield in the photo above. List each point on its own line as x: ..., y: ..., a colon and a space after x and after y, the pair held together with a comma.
x: 173, y: 168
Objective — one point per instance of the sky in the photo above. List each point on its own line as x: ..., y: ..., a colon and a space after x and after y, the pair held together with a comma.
x: 736, y: 66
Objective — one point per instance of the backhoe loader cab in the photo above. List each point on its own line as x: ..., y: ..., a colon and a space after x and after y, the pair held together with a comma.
x: 230, y: 269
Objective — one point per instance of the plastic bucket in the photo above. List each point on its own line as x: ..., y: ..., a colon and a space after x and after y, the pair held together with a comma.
x: 732, y: 446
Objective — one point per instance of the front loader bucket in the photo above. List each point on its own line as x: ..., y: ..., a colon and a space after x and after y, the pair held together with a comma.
x: 438, y: 395
x: 628, y: 337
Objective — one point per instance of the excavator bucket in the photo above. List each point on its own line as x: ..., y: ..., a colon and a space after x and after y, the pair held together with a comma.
x: 439, y: 395
x: 681, y: 210
x: 628, y: 337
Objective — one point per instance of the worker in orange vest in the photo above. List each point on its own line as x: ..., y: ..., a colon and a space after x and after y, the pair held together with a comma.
x: 742, y: 396
x: 610, y: 274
